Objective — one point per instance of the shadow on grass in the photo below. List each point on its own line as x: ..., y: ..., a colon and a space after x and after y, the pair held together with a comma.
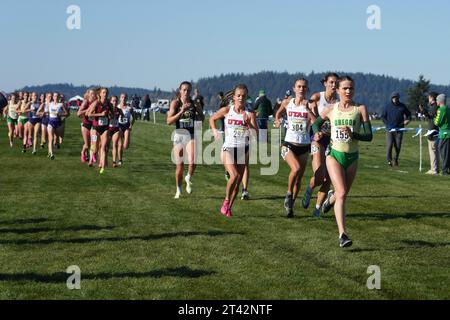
x: 38, y: 230
x: 61, y: 277
x: 119, y: 239
x: 381, y: 197
x: 385, y: 216
x: 25, y: 221
x: 425, y: 244
x: 411, y: 244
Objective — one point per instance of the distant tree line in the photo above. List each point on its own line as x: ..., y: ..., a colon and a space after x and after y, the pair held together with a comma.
x: 371, y: 90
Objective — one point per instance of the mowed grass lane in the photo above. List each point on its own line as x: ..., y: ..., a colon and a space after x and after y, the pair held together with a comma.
x: 132, y: 240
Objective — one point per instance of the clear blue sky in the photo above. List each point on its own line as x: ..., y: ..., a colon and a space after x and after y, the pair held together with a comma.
x: 147, y: 43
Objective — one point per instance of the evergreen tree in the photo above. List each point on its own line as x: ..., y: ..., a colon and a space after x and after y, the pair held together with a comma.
x: 417, y: 95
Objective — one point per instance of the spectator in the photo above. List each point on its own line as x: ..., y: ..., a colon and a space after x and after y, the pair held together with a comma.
x: 3, y: 101
x: 442, y: 121
x: 135, y: 106
x: 263, y: 109
x: 433, y: 142
x: 145, y: 106
x: 198, y: 98
x: 395, y: 116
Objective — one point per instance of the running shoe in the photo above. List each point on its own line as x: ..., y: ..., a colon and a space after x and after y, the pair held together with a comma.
x: 316, y: 213
x: 33, y: 153
x: 52, y: 157
x: 245, y: 195
x: 229, y: 213
x: 289, y: 206
x: 11, y: 144
x: 177, y: 195
x: 91, y: 164
x: 58, y: 146
x: 102, y: 170
x: 114, y: 164
x: 225, y: 207
x: 120, y: 162
x: 42, y: 146
x: 344, y: 241
x: 188, y: 185
x: 307, y: 198
x: 327, y: 203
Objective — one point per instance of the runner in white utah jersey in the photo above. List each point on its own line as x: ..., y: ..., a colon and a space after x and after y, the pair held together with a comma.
x: 235, y: 151
x: 297, y: 143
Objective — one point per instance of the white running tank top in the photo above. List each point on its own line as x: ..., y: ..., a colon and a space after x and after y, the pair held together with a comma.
x: 54, y: 109
x: 236, y: 129
x: 126, y: 117
x: 12, y: 110
x: 298, y: 124
x: 322, y: 105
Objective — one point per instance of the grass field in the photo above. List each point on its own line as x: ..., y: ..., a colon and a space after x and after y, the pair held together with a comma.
x: 131, y: 240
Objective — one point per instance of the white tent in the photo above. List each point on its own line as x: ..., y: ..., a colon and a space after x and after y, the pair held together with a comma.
x: 76, y: 98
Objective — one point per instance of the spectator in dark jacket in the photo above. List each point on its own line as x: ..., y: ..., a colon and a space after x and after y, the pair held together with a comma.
x: 146, y: 104
x: 3, y: 101
x: 263, y: 109
x: 433, y: 142
x: 395, y: 116
x: 135, y: 105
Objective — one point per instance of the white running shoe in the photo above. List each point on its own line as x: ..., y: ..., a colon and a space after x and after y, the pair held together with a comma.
x: 188, y: 185
x: 245, y: 195
x: 177, y: 195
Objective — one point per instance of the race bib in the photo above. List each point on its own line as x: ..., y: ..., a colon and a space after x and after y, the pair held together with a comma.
x: 314, y: 149
x: 284, y: 152
x: 298, y: 127
x: 102, y: 121
x: 341, y: 137
x: 186, y: 123
x: 238, y: 133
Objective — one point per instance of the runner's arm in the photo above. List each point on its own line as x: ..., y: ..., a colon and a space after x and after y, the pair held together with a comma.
x: 172, y: 117
x: 279, y: 113
x: 366, y: 126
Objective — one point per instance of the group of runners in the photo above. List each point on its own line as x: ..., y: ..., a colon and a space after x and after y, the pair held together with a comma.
x: 106, y: 123
x: 327, y: 126
x: 31, y: 117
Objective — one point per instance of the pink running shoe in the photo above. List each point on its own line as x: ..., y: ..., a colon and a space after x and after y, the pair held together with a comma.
x: 225, y: 207
x: 229, y: 213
